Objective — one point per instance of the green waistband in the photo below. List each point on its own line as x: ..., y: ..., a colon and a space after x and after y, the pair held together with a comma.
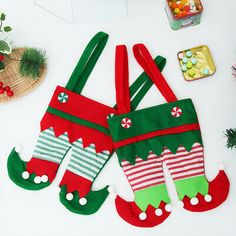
x: 78, y: 120
x: 152, y: 119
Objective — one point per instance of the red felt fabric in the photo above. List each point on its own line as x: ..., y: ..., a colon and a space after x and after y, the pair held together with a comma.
x: 122, y: 80
x: 218, y: 189
x: 75, y: 131
x: 82, y: 107
x: 144, y: 58
x: 174, y: 130
x: 75, y: 182
x: 42, y: 167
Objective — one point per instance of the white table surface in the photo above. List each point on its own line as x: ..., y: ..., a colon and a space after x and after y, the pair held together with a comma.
x: 25, y: 213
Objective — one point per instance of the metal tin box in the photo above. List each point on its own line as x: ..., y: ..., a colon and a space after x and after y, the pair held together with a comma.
x: 183, y: 13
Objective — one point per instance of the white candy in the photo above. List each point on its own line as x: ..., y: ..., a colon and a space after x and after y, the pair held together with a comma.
x: 25, y: 175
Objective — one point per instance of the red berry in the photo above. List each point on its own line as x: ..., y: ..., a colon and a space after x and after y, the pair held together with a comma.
x: 1, y: 57
x: 7, y: 88
x: 10, y: 93
x: 2, y: 90
x: 1, y: 83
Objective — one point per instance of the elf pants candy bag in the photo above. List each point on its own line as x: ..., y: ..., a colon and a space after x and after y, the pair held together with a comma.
x: 167, y: 134
x: 75, y: 122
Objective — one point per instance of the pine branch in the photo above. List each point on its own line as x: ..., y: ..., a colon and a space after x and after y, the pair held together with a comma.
x: 231, y: 136
x: 32, y: 62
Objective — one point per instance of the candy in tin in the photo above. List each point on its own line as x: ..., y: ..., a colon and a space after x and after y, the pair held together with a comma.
x: 196, y: 63
x: 183, y: 13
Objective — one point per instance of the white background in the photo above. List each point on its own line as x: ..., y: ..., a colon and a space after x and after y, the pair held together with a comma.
x: 25, y: 213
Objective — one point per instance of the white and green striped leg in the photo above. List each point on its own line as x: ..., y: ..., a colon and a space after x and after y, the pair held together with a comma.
x: 41, y: 170
x: 84, y: 166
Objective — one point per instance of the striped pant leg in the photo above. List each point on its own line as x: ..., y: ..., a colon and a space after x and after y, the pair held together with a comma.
x: 84, y: 166
x: 48, y: 154
x: 187, y: 170
x: 147, y: 181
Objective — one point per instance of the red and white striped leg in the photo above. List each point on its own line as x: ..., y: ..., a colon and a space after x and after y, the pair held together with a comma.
x: 187, y: 170
x: 145, y: 176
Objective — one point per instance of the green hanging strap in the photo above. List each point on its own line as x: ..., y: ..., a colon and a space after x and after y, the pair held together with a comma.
x: 87, y: 62
x: 160, y: 62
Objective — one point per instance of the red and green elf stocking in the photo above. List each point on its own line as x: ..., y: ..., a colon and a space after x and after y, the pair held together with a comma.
x: 74, y: 122
x: 170, y: 134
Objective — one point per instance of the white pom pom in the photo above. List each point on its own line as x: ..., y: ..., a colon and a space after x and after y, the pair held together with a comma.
x: 143, y: 216
x: 181, y: 204
x: 25, y: 175
x: 194, y: 201
x: 208, y: 198
x: 44, y: 178
x: 37, y: 179
x: 221, y: 166
x: 112, y: 196
x: 168, y: 208
x: 83, y: 201
x: 111, y: 189
x: 158, y: 212
x: 18, y: 148
x: 69, y: 196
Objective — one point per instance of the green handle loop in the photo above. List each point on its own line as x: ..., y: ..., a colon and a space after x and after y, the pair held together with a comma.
x: 147, y: 84
x: 87, y: 62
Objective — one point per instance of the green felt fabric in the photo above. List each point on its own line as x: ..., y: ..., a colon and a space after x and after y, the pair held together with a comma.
x: 152, y: 119
x: 87, y: 62
x: 16, y: 167
x: 95, y: 199
x: 192, y: 186
x: 77, y: 120
x: 153, y: 196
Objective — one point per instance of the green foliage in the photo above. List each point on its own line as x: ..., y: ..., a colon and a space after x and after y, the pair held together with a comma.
x: 231, y: 136
x: 3, y: 17
x: 5, y: 47
x: 7, y: 29
x: 32, y: 62
x: 4, y: 28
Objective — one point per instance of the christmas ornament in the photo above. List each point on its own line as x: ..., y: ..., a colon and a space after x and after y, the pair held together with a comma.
x: 164, y: 134
x: 77, y: 123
